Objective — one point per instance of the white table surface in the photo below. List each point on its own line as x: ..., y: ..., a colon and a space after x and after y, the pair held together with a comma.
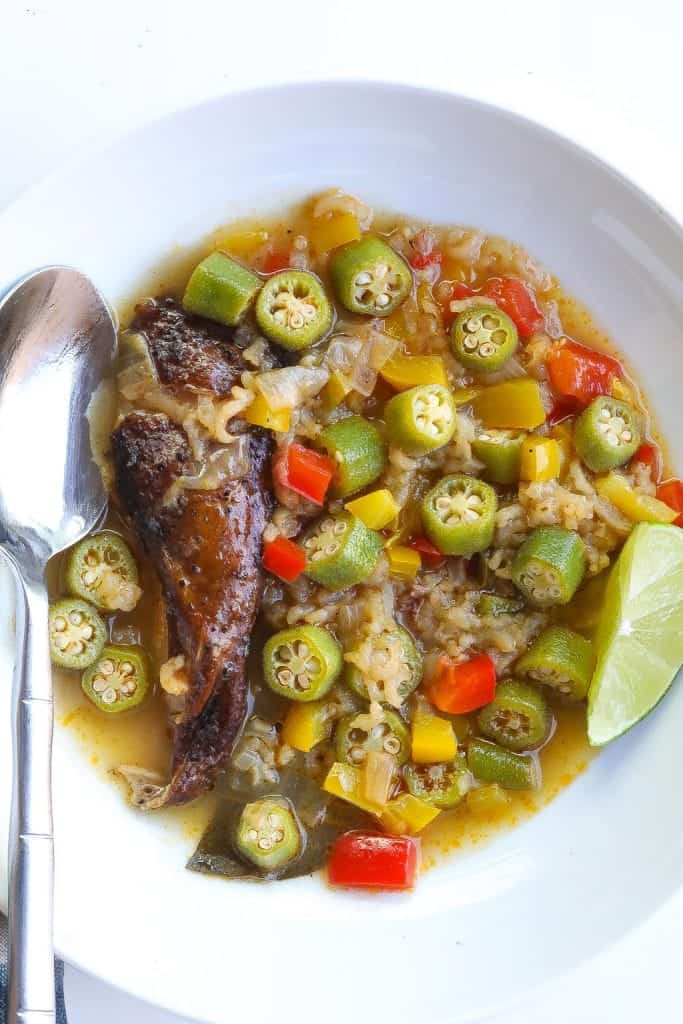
x: 608, y: 73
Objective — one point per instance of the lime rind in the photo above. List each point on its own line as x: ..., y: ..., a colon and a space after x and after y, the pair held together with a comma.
x: 639, y: 641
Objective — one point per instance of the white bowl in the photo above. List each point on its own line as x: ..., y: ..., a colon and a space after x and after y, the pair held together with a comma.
x: 485, y: 926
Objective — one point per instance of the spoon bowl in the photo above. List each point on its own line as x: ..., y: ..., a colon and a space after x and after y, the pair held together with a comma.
x: 57, y: 344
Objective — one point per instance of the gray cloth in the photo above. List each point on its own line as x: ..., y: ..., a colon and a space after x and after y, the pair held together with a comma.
x: 59, y: 978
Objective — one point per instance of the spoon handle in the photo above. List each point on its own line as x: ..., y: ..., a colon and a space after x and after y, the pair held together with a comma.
x: 31, y: 990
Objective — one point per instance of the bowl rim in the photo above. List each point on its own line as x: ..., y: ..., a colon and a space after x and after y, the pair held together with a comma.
x: 541, y: 128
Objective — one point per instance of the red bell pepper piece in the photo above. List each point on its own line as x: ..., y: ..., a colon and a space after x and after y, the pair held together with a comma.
x: 517, y: 300
x: 648, y: 455
x: 277, y: 259
x: 308, y: 472
x: 428, y: 552
x: 366, y: 860
x: 581, y: 373
x: 284, y: 558
x: 671, y: 493
x: 563, y: 407
x: 460, y: 688
x: 419, y: 261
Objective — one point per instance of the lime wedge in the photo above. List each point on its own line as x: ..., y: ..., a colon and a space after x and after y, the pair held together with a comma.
x: 639, y: 641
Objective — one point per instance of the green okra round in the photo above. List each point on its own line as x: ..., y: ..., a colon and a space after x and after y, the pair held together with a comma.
x: 302, y: 663
x: 341, y: 551
x: 483, y: 338
x: 459, y: 515
x: 490, y: 762
x: 549, y: 566
x: 607, y: 434
x: 517, y: 718
x: 501, y: 453
x: 421, y: 419
x: 359, y: 452
x: 560, y: 659
x: 221, y: 289
x: 370, y: 277
x: 353, y: 740
x: 293, y: 310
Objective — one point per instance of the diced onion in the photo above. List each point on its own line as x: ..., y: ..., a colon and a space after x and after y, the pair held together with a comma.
x: 289, y: 387
x: 378, y: 777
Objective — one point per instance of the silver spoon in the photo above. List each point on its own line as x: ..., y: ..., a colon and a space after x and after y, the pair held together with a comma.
x: 57, y: 343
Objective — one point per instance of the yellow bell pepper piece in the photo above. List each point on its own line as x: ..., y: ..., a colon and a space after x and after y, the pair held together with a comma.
x: 335, y: 391
x: 564, y: 435
x: 512, y: 405
x: 404, y: 562
x: 305, y: 725
x: 639, y: 508
x: 541, y: 459
x: 621, y: 391
x: 463, y: 396
x: 407, y: 815
x: 488, y: 801
x: 346, y: 782
x: 330, y: 233
x: 261, y: 415
x: 240, y: 243
x: 433, y: 739
x: 376, y: 509
x: 404, y: 372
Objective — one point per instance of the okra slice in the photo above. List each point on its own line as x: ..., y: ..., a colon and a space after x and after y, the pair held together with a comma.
x: 483, y: 339
x: 501, y: 453
x: 359, y: 452
x: 302, y: 663
x: 268, y: 833
x: 490, y: 763
x: 355, y: 737
x: 370, y: 277
x: 549, y: 566
x: 518, y: 717
x: 101, y: 569
x: 441, y: 785
x: 459, y: 515
x: 396, y: 667
x: 421, y: 419
x: 607, y: 434
x: 560, y: 659
x: 293, y: 310
x: 221, y: 289
x: 119, y: 679
x: 341, y: 551
x: 494, y: 604
x: 77, y: 633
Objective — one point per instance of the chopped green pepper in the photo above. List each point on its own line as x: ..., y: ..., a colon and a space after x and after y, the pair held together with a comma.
x: 549, y: 566
x: 494, y: 604
x: 77, y: 633
x: 356, y: 446
x: 518, y: 717
x: 268, y: 834
x: 501, y: 453
x: 560, y: 659
x: 396, y: 667
x: 293, y: 310
x: 459, y: 515
x: 490, y: 763
x: 119, y: 680
x: 607, y: 434
x: 356, y: 735
x: 442, y: 785
x: 421, y: 419
x: 221, y: 289
x: 302, y: 663
x: 341, y: 551
x: 370, y: 277
x: 483, y: 338
x: 102, y: 570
